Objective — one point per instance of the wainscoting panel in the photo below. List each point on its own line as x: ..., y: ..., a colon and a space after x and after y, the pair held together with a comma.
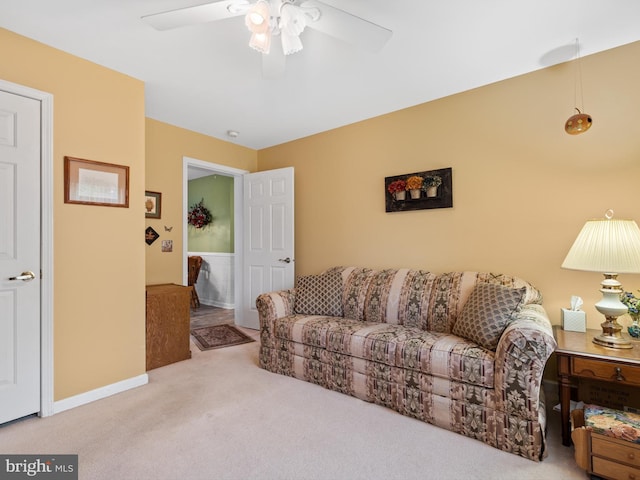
x: 216, y: 280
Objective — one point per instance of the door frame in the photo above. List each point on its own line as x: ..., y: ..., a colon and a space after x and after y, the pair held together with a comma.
x: 46, y: 239
x: 238, y: 209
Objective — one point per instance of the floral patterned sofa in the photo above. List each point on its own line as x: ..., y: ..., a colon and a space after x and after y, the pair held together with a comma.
x: 464, y: 351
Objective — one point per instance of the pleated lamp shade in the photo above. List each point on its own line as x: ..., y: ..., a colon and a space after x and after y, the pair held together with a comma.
x: 607, y: 246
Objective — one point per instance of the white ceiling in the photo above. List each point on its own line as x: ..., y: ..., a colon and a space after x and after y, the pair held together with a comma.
x: 205, y: 78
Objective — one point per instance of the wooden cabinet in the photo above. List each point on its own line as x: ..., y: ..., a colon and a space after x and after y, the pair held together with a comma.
x: 168, y: 326
x: 613, y: 458
x: 580, y: 358
x: 604, y: 456
x: 606, y: 371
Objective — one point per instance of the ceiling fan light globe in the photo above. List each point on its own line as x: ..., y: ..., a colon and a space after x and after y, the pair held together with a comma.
x: 257, y: 18
x: 261, y: 42
x: 290, y: 43
x: 292, y: 19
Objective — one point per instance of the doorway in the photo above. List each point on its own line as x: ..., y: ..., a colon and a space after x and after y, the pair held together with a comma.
x: 192, y: 170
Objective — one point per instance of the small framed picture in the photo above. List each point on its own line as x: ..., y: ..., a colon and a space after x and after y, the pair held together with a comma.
x: 167, y: 246
x: 152, y: 204
x: 88, y: 182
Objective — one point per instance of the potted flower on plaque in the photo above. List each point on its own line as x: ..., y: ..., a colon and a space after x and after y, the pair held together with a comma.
x: 414, y: 184
x: 431, y: 184
x: 397, y: 189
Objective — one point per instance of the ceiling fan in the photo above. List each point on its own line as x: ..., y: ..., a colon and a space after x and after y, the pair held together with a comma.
x: 287, y: 19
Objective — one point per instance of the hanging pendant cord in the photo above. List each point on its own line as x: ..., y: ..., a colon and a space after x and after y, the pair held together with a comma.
x: 578, y: 80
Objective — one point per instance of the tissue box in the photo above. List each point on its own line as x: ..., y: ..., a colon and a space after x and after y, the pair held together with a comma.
x: 574, y: 320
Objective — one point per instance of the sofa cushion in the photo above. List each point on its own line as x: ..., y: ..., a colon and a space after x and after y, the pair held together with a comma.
x: 532, y: 294
x: 354, y: 295
x: 487, y: 312
x: 417, y: 298
x: 403, y: 297
x: 376, y: 308
x: 439, y: 354
x: 319, y: 294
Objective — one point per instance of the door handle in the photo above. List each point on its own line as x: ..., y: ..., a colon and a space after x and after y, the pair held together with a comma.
x: 24, y: 276
x: 285, y: 260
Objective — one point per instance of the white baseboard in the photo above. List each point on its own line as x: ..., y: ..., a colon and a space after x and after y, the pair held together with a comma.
x: 100, y: 393
x: 215, y: 303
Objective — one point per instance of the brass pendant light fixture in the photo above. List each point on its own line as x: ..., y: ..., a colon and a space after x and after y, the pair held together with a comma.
x: 580, y: 122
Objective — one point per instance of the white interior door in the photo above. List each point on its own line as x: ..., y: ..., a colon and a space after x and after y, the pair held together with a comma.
x: 19, y: 256
x: 268, y: 251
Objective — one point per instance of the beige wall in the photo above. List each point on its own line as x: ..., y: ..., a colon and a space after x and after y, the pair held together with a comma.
x: 166, y: 145
x: 522, y: 187
x: 99, y: 253
x: 522, y: 190
x: 99, y: 310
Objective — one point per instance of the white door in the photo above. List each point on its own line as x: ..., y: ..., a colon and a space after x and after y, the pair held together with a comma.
x: 268, y: 238
x: 19, y: 256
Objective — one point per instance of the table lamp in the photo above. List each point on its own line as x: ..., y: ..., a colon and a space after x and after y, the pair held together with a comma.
x: 610, y: 247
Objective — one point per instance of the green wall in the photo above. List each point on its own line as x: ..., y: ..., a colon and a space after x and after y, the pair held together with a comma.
x: 217, y: 192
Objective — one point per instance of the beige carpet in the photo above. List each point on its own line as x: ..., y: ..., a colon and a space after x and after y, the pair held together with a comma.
x: 218, y: 416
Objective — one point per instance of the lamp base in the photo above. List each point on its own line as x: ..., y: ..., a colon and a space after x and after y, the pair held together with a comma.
x: 611, y: 307
x: 611, y: 336
x: 611, y: 342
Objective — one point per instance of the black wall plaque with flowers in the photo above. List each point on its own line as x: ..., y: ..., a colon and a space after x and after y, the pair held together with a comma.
x: 419, y: 191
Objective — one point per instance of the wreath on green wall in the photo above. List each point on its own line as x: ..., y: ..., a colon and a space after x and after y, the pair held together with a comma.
x: 199, y: 216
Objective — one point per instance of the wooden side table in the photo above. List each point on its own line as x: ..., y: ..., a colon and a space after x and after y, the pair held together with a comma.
x: 578, y: 357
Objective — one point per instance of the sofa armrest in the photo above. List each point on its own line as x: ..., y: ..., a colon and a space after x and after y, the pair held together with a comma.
x: 271, y: 306
x: 522, y: 353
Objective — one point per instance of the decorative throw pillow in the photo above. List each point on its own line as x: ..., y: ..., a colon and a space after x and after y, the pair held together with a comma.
x: 487, y: 312
x: 319, y: 294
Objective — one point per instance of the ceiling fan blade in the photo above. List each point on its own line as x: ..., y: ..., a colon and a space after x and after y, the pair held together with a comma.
x: 208, y: 12
x: 347, y: 27
x: 273, y: 63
